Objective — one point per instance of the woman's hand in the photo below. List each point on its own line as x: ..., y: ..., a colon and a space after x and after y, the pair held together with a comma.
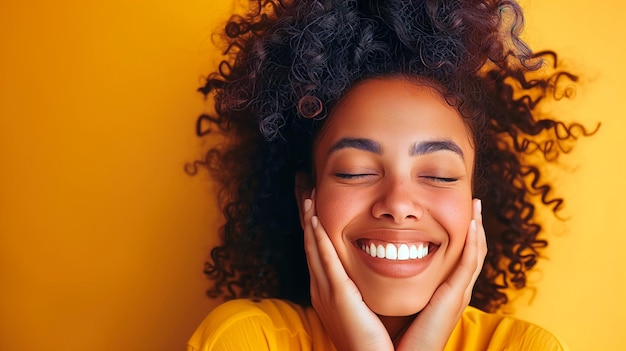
x: 353, y: 326
x: 434, y: 324
x: 338, y: 302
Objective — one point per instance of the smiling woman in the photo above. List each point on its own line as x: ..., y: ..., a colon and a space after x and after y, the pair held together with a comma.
x: 390, y: 175
x: 363, y: 140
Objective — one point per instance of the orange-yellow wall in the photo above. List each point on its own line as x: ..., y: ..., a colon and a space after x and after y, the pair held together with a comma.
x: 581, y: 287
x: 103, y: 236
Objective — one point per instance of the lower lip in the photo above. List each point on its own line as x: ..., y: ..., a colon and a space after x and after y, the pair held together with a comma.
x: 396, y: 268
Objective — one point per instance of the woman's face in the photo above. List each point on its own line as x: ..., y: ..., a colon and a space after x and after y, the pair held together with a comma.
x: 393, y: 190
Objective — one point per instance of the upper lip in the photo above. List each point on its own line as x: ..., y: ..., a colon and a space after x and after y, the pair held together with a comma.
x: 396, y: 235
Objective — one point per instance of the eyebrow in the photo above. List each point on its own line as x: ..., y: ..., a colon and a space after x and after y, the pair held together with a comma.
x: 357, y: 143
x: 428, y: 147
x: 421, y: 148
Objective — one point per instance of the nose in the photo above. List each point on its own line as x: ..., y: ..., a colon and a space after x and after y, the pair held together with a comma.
x: 398, y: 201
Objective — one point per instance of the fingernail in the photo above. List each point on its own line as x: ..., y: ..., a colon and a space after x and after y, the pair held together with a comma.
x: 307, y: 205
x: 473, y: 225
x: 313, y: 194
x: 314, y: 222
x: 479, y: 204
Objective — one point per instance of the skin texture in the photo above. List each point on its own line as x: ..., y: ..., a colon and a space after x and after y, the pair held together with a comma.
x: 374, y: 185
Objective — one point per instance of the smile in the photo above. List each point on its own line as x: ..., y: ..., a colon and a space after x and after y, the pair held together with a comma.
x: 399, y: 252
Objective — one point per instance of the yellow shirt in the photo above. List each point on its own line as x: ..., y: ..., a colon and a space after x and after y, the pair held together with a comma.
x: 280, y: 325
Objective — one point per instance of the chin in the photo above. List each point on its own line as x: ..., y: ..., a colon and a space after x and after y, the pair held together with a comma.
x: 397, y: 305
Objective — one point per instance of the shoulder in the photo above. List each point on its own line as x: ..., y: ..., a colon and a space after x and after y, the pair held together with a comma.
x: 267, y: 324
x: 233, y: 311
x: 486, y: 331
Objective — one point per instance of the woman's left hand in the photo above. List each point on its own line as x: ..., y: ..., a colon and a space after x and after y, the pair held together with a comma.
x: 432, y: 327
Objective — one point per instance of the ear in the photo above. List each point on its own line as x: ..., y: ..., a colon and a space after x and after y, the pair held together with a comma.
x: 302, y: 189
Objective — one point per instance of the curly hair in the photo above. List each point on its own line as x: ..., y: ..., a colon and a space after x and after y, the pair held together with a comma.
x: 288, y: 63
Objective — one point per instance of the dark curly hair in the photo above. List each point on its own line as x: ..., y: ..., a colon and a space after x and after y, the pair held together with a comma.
x: 288, y: 63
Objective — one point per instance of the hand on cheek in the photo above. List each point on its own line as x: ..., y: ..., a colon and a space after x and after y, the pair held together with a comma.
x: 434, y: 324
x: 334, y: 296
x: 353, y: 326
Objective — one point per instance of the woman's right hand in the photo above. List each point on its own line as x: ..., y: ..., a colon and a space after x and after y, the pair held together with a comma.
x: 348, y: 321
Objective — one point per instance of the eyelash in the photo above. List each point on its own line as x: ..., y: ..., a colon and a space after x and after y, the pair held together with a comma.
x: 441, y: 179
x: 349, y: 176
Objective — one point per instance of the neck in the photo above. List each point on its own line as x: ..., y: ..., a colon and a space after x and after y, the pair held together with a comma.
x: 396, y: 325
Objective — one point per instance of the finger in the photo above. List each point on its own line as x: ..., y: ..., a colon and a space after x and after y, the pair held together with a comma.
x: 480, y: 236
x: 327, y: 254
x: 332, y: 268
x: 329, y: 260
x: 317, y: 277
x: 480, y: 245
x: 462, y: 279
x: 328, y: 267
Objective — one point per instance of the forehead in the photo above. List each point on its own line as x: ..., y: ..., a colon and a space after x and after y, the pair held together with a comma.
x: 397, y: 113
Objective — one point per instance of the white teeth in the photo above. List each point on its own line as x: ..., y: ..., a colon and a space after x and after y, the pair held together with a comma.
x: 380, y: 251
x: 413, y: 252
x: 403, y: 252
x: 393, y: 252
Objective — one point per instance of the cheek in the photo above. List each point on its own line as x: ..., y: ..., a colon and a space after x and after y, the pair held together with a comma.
x: 454, y: 213
x: 331, y: 209
x: 336, y: 208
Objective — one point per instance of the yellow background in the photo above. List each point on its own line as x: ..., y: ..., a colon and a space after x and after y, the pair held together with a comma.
x: 103, y: 236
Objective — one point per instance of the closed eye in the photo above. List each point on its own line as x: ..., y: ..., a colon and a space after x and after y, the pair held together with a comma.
x: 441, y: 179
x: 352, y: 175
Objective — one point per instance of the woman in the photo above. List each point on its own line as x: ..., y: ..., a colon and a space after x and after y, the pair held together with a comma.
x: 360, y: 136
